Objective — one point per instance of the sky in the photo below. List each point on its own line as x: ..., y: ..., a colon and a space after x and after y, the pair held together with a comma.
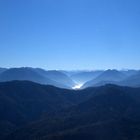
x: 70, y: 34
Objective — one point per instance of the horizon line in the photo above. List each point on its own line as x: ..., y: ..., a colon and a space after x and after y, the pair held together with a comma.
x: 121, y: 69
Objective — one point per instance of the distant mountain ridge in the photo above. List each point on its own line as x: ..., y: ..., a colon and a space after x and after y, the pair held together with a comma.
x: 108, y: 76
x: 72, y: 79
x: 55, y: 78
x: 132, y: 81
x: 84, y: 76
x: 58, y: 76
x: 123, y: 78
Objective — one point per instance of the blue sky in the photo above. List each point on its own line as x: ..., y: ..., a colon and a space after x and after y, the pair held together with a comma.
x: 70, y: 34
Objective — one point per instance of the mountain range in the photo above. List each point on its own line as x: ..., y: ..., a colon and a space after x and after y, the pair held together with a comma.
x: 33, y: 111
x: 38, y: 104
x: 37, y: 75
x: 72, y: 79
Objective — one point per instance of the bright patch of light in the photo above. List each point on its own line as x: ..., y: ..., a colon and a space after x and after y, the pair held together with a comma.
x: 78, y: 86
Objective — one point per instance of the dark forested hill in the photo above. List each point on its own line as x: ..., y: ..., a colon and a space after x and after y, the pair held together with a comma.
x: 35, y: 112
x: 22, y: 102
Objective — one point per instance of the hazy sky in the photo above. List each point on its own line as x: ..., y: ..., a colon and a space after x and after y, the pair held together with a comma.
x: 70, y: 34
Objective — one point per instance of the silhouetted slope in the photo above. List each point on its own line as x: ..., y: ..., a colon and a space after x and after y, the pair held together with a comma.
x: 85, y: 76
x: 129, y: 72
x: 2, y: 70
x: 57, y: 76
x: 70, y: 72
x: 132, y: 81
x: 109, y: 112
x: 107, y: 77
x: 27, y: 74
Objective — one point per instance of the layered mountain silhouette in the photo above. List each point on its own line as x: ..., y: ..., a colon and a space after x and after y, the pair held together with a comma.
x: 129, y: 78
x: 36, y: 104
x: 132, y: 81
x: 129, y: 72
x: 109, y: 76
x: 84, y: 76
x: 54, y: 78
x: 71, y: 79
x: 58, y: 76
x: 37, y: 112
